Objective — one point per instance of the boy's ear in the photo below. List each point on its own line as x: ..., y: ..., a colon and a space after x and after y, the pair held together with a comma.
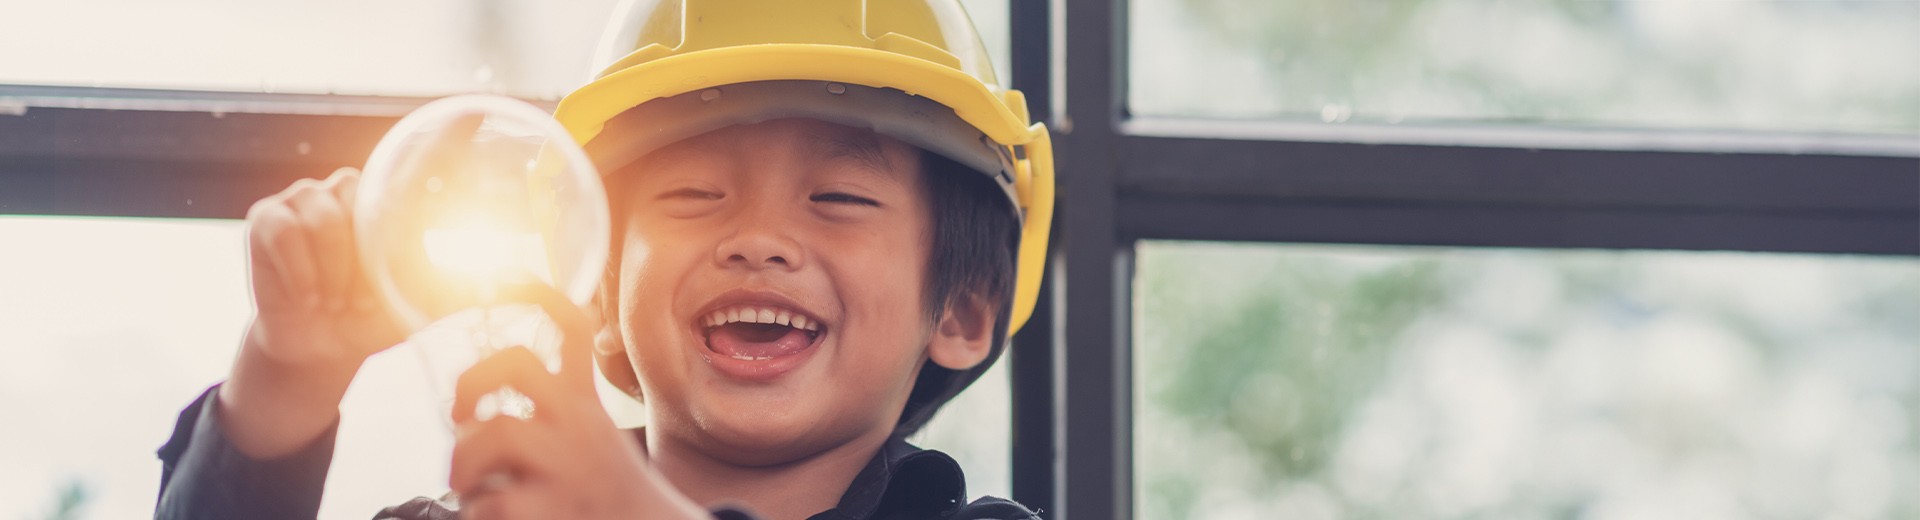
x: 964, y: 335
x: 609, y: 353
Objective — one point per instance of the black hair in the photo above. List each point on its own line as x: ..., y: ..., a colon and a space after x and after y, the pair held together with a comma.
x: 974, y: 236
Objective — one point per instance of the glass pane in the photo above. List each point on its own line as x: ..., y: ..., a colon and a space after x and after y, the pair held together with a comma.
x: 122, y: 322
x: 991, y: 18
x: 976, y: 429
x: 108, y: 328
x: 529, y: 48
x: 1839, y: 65
x: 1319, y: 381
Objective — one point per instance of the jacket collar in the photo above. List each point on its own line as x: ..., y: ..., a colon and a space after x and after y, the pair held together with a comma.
x: 901, y: 481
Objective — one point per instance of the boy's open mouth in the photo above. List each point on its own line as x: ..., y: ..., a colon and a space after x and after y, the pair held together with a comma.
x: 759, y: 332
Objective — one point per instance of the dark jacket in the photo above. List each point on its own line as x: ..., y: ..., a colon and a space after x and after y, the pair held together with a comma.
x: 204, y: 477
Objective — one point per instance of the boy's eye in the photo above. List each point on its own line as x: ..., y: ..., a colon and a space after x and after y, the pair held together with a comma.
x: 689, y: 193
x: 845, y: 198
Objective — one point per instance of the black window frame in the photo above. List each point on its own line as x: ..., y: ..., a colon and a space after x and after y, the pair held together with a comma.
x: 154, y: 153
x: 1124, y: 179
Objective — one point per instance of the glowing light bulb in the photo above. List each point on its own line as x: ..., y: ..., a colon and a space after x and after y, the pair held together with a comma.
x: 462, y: 197
x: 471, y: 192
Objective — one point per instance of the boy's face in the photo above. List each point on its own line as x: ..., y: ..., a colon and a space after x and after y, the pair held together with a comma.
x: 799, y: 219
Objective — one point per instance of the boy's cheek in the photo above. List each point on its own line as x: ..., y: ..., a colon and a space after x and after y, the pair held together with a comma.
x: 651, y: 333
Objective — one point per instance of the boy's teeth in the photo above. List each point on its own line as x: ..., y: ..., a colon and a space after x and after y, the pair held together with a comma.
x: 760, y: 315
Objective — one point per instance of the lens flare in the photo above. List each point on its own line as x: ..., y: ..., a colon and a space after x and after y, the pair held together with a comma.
x: 484, y: 253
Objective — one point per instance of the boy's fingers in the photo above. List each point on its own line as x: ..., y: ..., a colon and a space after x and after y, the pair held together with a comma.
x: 488, y: 451
x: 509, y: 503
x: 360, y: 294
x: 327, y: 227
x: 346, y: 181
x: 277, y: 233
x: 260, y: 256
x: 577, y: 328
x: 515, y: 367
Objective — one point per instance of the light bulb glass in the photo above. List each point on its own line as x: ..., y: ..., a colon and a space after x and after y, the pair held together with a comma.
x: 466, y: 196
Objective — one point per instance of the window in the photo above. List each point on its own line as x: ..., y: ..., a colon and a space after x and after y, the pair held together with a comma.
x: 1836, y: 66
x: 519, y: 47
x: 1447, y: 143
x: 110, y: 324
x: 528, y: 48
x: 1322, y: 381
x: 123, y: 321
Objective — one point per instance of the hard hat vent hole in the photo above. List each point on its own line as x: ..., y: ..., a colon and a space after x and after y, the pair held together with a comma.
x: 710, y: 94
x: 836, y: 89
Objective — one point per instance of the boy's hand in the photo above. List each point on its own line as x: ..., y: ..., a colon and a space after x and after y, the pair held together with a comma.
x: 316, y: 318
x: 314, y: 307
x: 568, y: 460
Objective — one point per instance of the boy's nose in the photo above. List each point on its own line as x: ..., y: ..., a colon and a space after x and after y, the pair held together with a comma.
x: 759, y: 249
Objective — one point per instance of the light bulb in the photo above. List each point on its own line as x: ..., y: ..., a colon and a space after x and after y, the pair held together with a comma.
x: 466, y: 196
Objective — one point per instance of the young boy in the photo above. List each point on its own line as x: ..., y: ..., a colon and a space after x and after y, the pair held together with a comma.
x: 828, y: 219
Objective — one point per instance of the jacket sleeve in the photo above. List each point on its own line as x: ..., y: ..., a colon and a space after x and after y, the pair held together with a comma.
x: 203, y: 476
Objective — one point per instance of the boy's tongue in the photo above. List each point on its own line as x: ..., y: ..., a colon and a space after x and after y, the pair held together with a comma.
x: 757, y: 340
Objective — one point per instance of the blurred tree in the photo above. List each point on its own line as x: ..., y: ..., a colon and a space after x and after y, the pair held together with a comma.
x: 70, y: 500
x: 1768, y: 64
x: 1280, y: 360
x: 1268, y: 355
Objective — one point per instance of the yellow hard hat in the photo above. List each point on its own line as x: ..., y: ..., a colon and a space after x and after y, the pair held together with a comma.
x: 912, y: 69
